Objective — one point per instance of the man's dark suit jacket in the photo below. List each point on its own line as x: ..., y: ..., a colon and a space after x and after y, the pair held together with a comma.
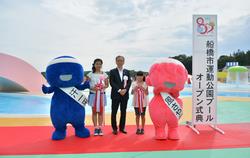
x: 116, y: 83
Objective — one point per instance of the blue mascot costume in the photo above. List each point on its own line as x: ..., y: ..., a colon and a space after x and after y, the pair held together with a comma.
x: 66, y: 73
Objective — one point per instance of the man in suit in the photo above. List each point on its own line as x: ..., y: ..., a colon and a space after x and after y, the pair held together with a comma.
x: 120, y: 82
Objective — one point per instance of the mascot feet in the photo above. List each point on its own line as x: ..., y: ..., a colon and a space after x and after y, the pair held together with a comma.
x: 160, y: 134
x: 59, y: 135
x: 173, y: 133
x: 82, y: 132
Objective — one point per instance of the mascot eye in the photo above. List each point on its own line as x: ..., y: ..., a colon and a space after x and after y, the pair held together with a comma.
x: 66, y: 77
x: 169, y: 84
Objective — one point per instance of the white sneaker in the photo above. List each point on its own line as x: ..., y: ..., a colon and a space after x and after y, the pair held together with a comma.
x: 100, y: 132
x: 96, y: 132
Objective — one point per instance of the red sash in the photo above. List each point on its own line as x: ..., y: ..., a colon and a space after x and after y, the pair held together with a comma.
x: 140, y: 99
x: 99, y: 99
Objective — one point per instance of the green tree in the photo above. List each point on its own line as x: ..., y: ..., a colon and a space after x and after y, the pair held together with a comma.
x: 223, y: 60
x: 186, y: 61
x: 242, y: 57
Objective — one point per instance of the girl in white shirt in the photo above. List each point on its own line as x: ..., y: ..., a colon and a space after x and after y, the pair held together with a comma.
x: 97, y: 97
x: 140, y: 100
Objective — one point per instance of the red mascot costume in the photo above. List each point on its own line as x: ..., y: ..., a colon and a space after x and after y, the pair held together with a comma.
x: 168, y: 79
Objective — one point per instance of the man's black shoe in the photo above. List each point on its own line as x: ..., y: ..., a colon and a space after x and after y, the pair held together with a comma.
x: 123, y: 131
x: 115, y: 132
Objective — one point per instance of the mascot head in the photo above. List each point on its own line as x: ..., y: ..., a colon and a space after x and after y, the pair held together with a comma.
x: 64, y: 71
x: 168, y: 75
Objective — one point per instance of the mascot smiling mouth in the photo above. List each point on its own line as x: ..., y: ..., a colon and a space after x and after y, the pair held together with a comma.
x: 169, y: 84
x: 65, y: 77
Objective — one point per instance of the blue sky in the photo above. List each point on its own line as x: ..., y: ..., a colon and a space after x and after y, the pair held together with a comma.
x: 141, y: 30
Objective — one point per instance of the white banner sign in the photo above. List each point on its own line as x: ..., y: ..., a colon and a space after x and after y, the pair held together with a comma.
x: 204, y: 99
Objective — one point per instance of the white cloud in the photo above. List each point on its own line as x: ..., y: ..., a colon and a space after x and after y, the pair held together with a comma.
x: 104, y: 28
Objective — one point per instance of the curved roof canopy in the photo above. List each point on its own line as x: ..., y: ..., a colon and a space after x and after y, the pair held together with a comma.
x: 18, y: 75
x: 238, y: 69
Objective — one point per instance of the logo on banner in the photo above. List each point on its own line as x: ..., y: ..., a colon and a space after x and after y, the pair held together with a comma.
x: 205, y: 25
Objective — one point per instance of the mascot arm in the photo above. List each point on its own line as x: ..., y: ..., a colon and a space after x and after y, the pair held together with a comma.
x: 47, y: 90
x: 83, y: 86
x: 175, y: 94
x: 148, y: 81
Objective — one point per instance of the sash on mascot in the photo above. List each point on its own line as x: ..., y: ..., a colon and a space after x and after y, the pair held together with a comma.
x: 76, y: 95
x: 172, y: 104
